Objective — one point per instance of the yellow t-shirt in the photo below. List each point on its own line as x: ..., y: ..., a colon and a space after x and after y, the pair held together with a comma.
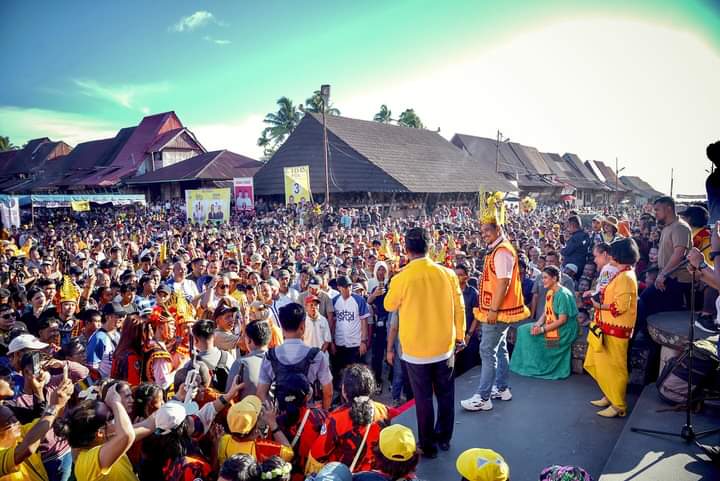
x: 32, y: 469
x: 229, y: 446
x: 87, y: 467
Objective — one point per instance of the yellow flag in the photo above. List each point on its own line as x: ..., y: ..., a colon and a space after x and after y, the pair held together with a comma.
x: 80, y: 205
x: 451, y: 243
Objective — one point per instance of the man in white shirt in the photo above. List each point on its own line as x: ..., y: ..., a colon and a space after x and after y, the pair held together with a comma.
x: 351, y: 325
x: 182, y: 285
x: 286, y: 293
x: 317, y: 330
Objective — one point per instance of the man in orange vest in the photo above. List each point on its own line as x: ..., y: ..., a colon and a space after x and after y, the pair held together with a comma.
x: 501, y: 303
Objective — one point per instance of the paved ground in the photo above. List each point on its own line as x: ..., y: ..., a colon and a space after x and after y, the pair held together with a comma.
x: 640, y: 457
x: 547, y: 422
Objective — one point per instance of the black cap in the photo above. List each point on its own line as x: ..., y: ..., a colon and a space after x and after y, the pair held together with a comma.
x: 114, y: 308
x: 164, y: 288
x: 344, y: 281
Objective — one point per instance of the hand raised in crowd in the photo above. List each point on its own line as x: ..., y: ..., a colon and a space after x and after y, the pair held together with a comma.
x: 62, y: 394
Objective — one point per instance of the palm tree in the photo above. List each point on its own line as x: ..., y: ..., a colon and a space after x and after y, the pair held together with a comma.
x: 410, y: 119
x: 5, y: 144
x: 267, y: 144
x: 283, y: 122
x: 314, y: 104
x: 384, y: 116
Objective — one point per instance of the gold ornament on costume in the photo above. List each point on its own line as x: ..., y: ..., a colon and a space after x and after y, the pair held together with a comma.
x: 492, y: 208
x: 527, y: 205
x: 69, y: 291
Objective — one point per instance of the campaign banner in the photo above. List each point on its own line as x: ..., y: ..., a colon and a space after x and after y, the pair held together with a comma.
x: 297, y: 184
x: 10, y: 211
x: 244, y: 193
x: 203, y: 205
x: 80, y: 205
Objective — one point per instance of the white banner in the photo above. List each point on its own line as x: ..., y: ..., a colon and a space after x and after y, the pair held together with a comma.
x: 10, y: 211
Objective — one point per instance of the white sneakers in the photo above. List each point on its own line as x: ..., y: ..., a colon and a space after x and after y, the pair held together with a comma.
x: 505, y: 395
x: 477, y: 403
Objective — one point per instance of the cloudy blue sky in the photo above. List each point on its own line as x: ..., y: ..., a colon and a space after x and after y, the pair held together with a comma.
x: 601, y: 79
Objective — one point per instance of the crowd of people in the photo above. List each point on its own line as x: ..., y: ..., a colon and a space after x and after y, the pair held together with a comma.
x: 137, y: 345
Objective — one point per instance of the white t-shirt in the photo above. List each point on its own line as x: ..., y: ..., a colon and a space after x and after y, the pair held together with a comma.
x: 504, y: 261
x: 317, y: 331
x: 348, y: 316
x: 606, y: 275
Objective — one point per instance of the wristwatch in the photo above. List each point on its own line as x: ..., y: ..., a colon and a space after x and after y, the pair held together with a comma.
x: 703, y: 265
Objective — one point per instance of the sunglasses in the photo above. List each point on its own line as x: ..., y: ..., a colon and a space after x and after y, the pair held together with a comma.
x: 8, y: 315
x: 222, y: 286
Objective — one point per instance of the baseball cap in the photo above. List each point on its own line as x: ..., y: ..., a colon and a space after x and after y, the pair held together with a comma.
x: 80, y: 256
x: 256, y: 258
x: 334, y: 472
x: 571, y: 267
x: 114, y: 308
x: 242, y: 417
x: 164, y: 288
x: 284, y: 273
x: 312, y: 298
x: 4, y: 292
x: 169, y: 416
x: 397, y: 443
x: 25, y: 341
x: 315, y: 281
x: 478, y: 464
x: 344, y: 281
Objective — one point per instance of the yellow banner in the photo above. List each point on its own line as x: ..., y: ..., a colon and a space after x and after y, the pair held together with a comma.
x: 297, y: 184
x: 203, y: 205
x: 80, y: 205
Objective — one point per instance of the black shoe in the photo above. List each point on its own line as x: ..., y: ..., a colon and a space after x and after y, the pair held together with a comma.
x: 445, y: 446
x: 431, y: 453
x: 707, y: 325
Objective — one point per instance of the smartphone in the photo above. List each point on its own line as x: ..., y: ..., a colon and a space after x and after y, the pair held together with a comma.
x: 190, y: 384
x: 36, y: 367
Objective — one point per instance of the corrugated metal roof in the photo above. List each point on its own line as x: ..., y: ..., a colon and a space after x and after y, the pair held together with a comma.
x: 369, y: 156
x: 639, y: 186
x: 217, y: 165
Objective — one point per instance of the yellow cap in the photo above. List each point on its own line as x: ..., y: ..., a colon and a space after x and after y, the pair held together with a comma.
x: 397, y: 443
x: 482, y: 465
x: 242, y: 417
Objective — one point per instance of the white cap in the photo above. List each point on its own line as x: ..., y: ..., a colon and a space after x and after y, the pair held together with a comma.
x: 25, y: 341
x: 170, y: 416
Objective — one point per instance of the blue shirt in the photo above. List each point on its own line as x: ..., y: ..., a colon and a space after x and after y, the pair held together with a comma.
x: 100, y: 348
x: 349, y: 314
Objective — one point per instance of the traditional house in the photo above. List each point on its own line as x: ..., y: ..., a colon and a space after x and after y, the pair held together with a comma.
x: 379, y: 160
x: 580, y: 186
x: 20, y: 168
x: 618, y: 191
x: 642, y: 192
x: 208, y: 170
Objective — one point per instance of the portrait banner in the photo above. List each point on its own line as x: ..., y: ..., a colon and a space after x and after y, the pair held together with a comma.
x: 203, y: 205
x: 243, y: 194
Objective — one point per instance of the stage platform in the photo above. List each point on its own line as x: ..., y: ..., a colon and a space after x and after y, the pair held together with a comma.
x: 552, y: 422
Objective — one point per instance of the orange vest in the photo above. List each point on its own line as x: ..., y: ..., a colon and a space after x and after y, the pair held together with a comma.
x: 513, y: 307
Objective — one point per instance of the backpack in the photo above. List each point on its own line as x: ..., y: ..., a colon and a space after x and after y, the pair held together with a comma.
x: 284, y: 373
x: 672, y: 384
x: 220, y: 373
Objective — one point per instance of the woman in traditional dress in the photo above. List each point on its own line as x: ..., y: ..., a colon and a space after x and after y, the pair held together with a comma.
x: 543, y: 349
x: 615, y: 316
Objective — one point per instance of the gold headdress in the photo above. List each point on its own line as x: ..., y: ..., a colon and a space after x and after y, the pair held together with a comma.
x: 528, y: 204
x: 492, y: 208
x: 69, y: 292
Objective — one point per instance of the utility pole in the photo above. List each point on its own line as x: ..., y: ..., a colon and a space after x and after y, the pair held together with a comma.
x: 497, y: 152
x: 617, y: 179
x: 672, y: 181
x: 325, y: 95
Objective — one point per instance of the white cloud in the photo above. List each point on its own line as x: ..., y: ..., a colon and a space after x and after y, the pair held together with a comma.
x: 23, y: 124
x: 238, y: 135
x: 597, y: 87
x: 198, y: 19
x: 123, y: 95
x: 217, y: 41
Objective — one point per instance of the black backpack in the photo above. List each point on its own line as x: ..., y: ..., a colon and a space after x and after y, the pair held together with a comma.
x: 285, y: 372
x: 220, y: 373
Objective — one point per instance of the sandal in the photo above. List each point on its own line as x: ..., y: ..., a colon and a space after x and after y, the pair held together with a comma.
x: 611, y: 412
x: 601, y: 403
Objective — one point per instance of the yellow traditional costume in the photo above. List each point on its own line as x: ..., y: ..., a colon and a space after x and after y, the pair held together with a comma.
x: 607, y: 364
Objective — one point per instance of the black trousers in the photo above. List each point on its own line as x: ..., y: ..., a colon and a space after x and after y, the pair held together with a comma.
x: 425, y: 380
x: 344, y: 356
x: 378, y: 345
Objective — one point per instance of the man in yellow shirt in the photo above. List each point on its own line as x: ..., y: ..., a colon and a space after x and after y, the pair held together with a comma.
x: 431, y: 310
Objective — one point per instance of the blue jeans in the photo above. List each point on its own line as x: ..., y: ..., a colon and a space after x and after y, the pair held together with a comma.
x: 397, y: 380
x: 60, y: 469
x: 494, y: 356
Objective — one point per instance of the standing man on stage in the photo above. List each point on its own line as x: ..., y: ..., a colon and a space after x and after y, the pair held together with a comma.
x: 501, y: 304
x: 431, y: 310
